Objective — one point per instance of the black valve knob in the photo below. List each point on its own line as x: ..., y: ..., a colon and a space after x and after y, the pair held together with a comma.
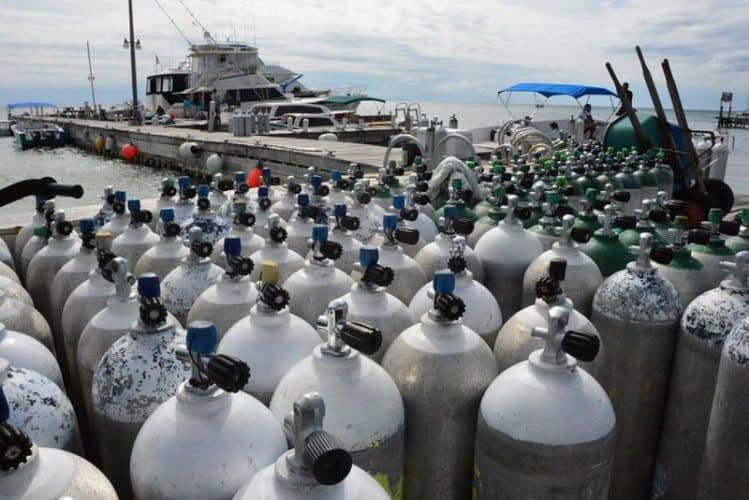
x: 580, y: 235
x: 64, y: 228
x: 104, y: 257
x: 526, y: 182
x: 426, y: 176
x: 657, y: 215
x: 662, y: 255
x: 272, y: 180
x: 421, y: 199
x: 464, y: 194
x: 422, y: 186
x: 378, y: 275
x: 729, y: 227
x: 343, y: 184
x: 294, y: 188
x: 486, y: 177
x: 409, y: 214
x: 309, y: 212
x: 274, y: 296
x: 278, y: 234
x: 172, y: 229
x: 463, y: 226
x: 349, y: 222
x: 407, y: 235
x: 204, y: 203
x: 118, y: 207
x: 331, y: 250
x: 398, y: 171
x: 242, y: 188
x: 600, y: 204
x: 169, y: 191
x: 246, y: 219
x: 583, y: 346
x: 450, y: 306
x: 523, y: 213
x: 506, y: 176
x: 363, y: 197
x: 264, y: 203
x: 676, y: 207
x: 359, y: 174
x: 621, y: 196
x: 15, y: 447
x: 698, y: 236
x: 151, y: 311
x: 143, y: 216
x: 509, y: 188
x: 330, y: 463
x: 189, y: 193
x: 322, y: 190
x: 110, y: 199
x: 360, y: 336
x: 88, y: 240
x: 563, y: 210
x: 201, y: 248
x: 239, y: 265
x: 457, y: 264
x: 390, y: 180
x: 225, y: 185
x: 227, y: 372
x: 558, y: 269
x: 625, y: 222
x: 567, y: 190
x: 372, y: 190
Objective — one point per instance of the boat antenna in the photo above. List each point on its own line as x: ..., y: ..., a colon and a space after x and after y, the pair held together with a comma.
x: 189, y: 43
x: 91, y: 76
x: 206, y: 33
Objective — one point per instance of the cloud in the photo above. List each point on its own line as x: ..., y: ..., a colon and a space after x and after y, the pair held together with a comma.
x: 436, y: 50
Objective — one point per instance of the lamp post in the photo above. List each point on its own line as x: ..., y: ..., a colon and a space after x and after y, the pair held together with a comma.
x: 135, y: 118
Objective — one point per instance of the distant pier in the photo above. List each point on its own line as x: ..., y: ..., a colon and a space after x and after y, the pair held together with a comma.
x: 733, y: 121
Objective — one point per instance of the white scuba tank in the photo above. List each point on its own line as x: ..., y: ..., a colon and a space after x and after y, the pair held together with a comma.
x: 276, y: 250
x: 137, y: 238
x: 168, y: 253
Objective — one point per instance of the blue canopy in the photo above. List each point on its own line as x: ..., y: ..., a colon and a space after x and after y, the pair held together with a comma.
x: 31, y: 105
x: 552, y: 89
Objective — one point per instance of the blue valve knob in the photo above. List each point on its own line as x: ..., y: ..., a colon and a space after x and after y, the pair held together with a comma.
x: 389, y: 222
x: 399, y: 201
x: 302, y: 199
x: 444, y: 282
x: 183, y: 182
x: 319, y: 233
x: 133, y: 205
x: 368, y: 255
x: 148, y: 286
x: 315, y: 181
x: 265, y: 172
x: 335, y: 175
x: 450, y: 212
x: 87, y: 226
x: 340, y: 210
x: 202, y: 337
x: 232, y: 245
x: 203, y: 191
x: 167, y: 214
x: 120, y: 196
x: 262, y: 192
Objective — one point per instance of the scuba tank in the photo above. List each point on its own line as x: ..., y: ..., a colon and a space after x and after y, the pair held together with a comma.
x: 276, y: 250
x: 167, y: 254
x: 482, y: 315
x: 514, y: 341
x: 317, y: 467
x: 319, y: 281
x: 365, y: 408
x: 218, y: 188
x: 664, y: 174
x: 231, y: 297
x: 492, y: 186
x: 408, y: 277
x: 22, y: 317
x: 270, y: 338
x: 15, y: 290
x: 31, y: 472
x: 106, y: 212
x: 166, y: 200
x: 644, y: 216
x: 286, y: 204
x: 318, y: 191
x: 184, y: 206
x: 24, y: 351
x: 604, y: 247
x: 459, y: 198
x: 442, y: 369
x: 341, y: 233
x: 135, y: 375
x: 223, y: 437
x: 715, y: 250
x: 412, y: 215
x: 72, y: 274
x: 37, y: 241
x: 740, y: 242
x: 546, y: 229
x: 27, y: 231
x: 369, y: 302
x: 138, y: 238
x: 687, y: 274
x: 61, y: 247
x: 546, y: 428
x: 6, y: 257
x: 204, y: 218
x: 637, y: 312
x: 263, y: 211
x: 339, y: 185
x: 495, y: 201
x: 121, y: 219
x: 723, y: 471
x: 537, y: 194
x: 647, y: 179
x: 434, y: 255
x: 367, y: 212
x: 193, y: 276
x: 505, y: 252
x: 626, y: 180
x: 38, y: 407
x: 300, y: 225
x: 587, y: 218
x: 704, y: 326
x: 242, y: 226
x: 583, y: 275
x: 382, y: 194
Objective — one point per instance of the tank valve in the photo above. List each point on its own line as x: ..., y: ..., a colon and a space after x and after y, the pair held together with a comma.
x: 87, y: 228
x: 582, y: 346
x: 236, y: 264
x: 263, y: 200
x: 226, y: 372
x: 457, y: 262
x: 446, y: 305
x: 343, y: 334
x: 198, y: 246
x: 369, y: 271
x: 151, y: 311
x: 169, y: 228
x: 343, y: 221
x: 118, y: 204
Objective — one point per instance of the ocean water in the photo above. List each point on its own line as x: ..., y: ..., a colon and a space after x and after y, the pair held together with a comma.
x: 71, y: 165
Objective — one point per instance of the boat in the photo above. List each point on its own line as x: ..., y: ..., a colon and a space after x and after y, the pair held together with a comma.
x: 38, y: 135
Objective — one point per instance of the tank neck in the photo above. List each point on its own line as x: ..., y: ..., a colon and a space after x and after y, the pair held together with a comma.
x: 202, y: 401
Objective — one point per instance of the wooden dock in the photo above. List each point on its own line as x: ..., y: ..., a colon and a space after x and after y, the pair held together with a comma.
x: 740, y: 120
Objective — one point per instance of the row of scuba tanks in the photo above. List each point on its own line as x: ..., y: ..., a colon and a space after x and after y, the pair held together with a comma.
x: 574, y: 356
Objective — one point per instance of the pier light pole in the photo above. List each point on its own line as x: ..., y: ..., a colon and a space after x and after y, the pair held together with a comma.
x: 132, y: 45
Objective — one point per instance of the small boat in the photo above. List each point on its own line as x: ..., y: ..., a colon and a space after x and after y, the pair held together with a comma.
x: 38, y: 135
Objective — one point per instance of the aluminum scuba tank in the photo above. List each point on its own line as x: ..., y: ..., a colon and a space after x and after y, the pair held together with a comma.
x: 267, y: 180
x: 276, y: 250
x: 120, y: 218
x: 22, y: 317
x: 647, y: 179
x: 204, y: 218
x: 243, y: 225
x: 31, y: 472
x: 704, y: 326
x: 626, y: 180
x: 286, y: 204
x: 368, y: 213
x: 232, y: 296
x: 545, y: 230
x: 270, y: 338
x: 37, y: 241
x: 300, y: 225
x: 165, y: 200
x: 587, y: 218
x: 459, y: 198
x: 412, y: 215
x: 319, y: 281
x: 13, y: 289
x: 106, y: 212
x: 341, y: 233
x: 740, y: 242
x: 168, y: 253
x: 434, y: 255
x: 318, y: 192
x: 61, y: 247
x: 369, y: 302
x: 264, y: 211
x: 493, y: 214
x: 723, y: 471
x: 546, y: 428
x: 137, y: 238
x: 482, y: 315
x: 505, y: 252
x: 72, y: 274
x: 582, y: 276
x: 382, y: 194
x: 23, y: 236
x: 217, y: 195
x: 338, y: 188
x: 184, y: 206
x: 408, y: 277
x: 233, y: 434
x: 604, y: 247
x: 365, y: 408
x: 715, y: 251
x: 183, y: 285
x: 645, y: 215
x: 145, y: 355
x: 687, y: 274
x: 442, y: 369
x: 637, y: 312
x: 514, y: 341
x: 317, y: 467
x: 24, y: 351
x: 664, y: 174
x: 38, y: 407
x: 6, y: 257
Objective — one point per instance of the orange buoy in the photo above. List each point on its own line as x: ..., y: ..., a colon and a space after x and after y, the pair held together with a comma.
x: 129, y: 152
x: 254, y: 179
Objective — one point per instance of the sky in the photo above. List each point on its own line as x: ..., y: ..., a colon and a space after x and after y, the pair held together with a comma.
x: 444, y: 51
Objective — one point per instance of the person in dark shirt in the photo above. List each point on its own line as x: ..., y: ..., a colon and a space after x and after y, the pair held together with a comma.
x: 628, y: 93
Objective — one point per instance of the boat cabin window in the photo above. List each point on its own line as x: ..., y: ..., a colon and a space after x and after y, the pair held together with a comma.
x: 166, y: 84
x: 283, y: 110
x: 260, y: 94
x: 318, y: 121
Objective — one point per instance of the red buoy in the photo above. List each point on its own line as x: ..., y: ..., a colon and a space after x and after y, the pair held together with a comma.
x: 254, y: 179
x: 129, y: 152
